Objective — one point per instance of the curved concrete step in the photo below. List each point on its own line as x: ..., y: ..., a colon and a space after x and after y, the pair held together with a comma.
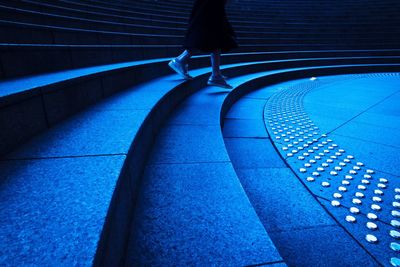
x: 303, y: 232
x: 179, y: 185
x: 254, y: 159
x: 74, y: 15
x: 24, y: 14
x: 30, y: 33
x: 80, y: 21
x: 67, y: 11
x: 21, y: 60
x: 64, y: 156
x: 33, y: 33
x: 349, y: 9
x: 38, y: 102
x: 95, y: 159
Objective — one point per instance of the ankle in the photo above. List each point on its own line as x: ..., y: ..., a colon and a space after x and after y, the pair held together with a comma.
x: 216, y: 75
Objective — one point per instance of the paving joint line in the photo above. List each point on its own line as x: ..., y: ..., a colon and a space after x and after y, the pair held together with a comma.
x: 304, y: 228
x: 332, y: 131
x: 62, y: 157
x: 186, y: 163
x: 265, y: 263
x: 369, y: 141
x: 245, y: 137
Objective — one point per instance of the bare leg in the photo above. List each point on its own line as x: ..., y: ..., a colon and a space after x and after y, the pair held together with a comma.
x: 217, y: 79
x: 215, y: 63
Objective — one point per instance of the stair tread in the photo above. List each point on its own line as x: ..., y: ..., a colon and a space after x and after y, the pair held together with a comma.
x: 191, y: 192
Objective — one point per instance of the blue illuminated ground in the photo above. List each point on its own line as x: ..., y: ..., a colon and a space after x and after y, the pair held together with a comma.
x: 353, y: 120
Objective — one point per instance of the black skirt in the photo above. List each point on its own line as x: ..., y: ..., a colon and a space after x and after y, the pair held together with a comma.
x: 209, y: 28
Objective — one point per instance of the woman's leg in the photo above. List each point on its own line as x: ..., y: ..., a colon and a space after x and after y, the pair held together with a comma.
x: 217, y: 79
x: 216, y: 63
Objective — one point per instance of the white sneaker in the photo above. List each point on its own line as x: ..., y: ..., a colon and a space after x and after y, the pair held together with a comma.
x: 180, y: 69
x: 218, y: 81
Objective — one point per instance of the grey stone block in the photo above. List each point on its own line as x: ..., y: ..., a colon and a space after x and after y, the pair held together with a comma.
x: 379, y: 119
x: 381, y: 157
x: 88, y: 133
x: 189, y: 144
x: 53, y: 211
x: 137, y: 97
x: 196, y: 214
x: 63, y: 102
x: 371, y: 133
x: 65, y: 37
x: 16, y: 33
x: 248, y: 109
x: 320, y: 246
x: 281, y: 200
x: 87, y: 56
x: 20, y: 122
x: 244, y: 128
x: 21, y: 61
x: 127, y: 53
x: 261, y: 152
x: 107, y: 38
x: 390, y: 105
x: 201, y: 109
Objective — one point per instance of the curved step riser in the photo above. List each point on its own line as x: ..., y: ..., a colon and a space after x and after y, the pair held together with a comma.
x: 105, y: 252
x: 278, y: 104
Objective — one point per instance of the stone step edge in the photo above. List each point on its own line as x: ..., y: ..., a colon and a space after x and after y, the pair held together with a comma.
x: 109, y: 253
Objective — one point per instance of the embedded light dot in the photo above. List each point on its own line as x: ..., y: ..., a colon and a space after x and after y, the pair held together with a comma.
x: 372, y: 226
x: 354, y: 210
x: 383, y: 186
x: 371, y: 238
x: 395, y: 246
x: 310, y: 179
x: 395, y: 223
x: 394, y: 234
x: 376, y: 207
x: 325, y: 184
x: 395, y: 262
x: 376, y: 199
x: 359, y: 194
x: 351, y: 219
x: 395, y: 213
x: 337, y: 195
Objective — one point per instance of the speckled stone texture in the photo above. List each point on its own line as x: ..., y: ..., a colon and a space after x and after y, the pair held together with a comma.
x: 196, y: 214
x: 192, y: 209
x: 56, y: 190
x: 53, y: 210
